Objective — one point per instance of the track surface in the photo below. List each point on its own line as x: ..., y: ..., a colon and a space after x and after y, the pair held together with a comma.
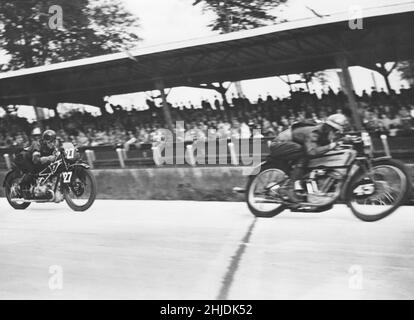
x: 202, y: 250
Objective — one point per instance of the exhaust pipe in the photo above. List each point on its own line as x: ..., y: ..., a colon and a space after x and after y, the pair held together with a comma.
x: 31, y: 201
x: 239, y: 190
x: 51, y: 199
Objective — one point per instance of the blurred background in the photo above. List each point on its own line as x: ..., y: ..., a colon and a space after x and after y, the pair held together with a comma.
x: 92, y: 28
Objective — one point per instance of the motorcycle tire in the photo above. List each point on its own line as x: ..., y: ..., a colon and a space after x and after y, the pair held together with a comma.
x: 7, y: 189
x: 250, y: 183
x: 92, y: 197
x: 403, y: 197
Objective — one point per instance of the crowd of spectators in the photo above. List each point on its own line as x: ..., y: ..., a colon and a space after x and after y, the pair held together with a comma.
x: 390, y: 113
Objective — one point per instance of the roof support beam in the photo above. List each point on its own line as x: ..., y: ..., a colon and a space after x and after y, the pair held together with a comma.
x: 159, y: 84
x: 348, y: 87
x: 220, y: 88
x: 33, y: 102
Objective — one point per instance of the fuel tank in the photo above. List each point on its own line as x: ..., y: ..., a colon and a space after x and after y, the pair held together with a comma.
x: 333, y: 159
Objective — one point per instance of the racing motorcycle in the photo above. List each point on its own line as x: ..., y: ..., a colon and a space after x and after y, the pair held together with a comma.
x: 67, y: 178
x: 372, y: 188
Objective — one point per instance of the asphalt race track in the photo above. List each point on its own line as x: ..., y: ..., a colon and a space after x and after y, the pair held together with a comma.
x: 201, y: 250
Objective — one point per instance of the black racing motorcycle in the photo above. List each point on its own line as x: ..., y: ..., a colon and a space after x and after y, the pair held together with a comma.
x: 372, y: 188
x: 68, y: 178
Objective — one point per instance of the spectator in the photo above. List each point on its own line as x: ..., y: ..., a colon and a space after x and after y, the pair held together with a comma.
x: 381, y: 112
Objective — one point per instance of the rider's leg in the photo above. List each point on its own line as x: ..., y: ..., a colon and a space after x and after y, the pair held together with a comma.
x: 27, y: 180
x: 290, y: 151
x: 299, y: 168
x: 287, y: 150
x: 27, y: 167
x: 295, y: 181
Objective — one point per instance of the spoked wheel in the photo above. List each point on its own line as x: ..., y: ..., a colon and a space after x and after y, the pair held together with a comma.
x: 260, y: 193
x: 376, y: 195
x: 80, y: 194
x: 11, y: 186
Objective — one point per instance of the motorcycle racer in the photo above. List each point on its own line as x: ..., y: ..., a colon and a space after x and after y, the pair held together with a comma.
x: 36, y: 157
x: 303, y: 141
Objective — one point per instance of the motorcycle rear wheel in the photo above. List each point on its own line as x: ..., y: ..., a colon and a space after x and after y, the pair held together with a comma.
x: 11, y: 179
x: 259, y: 202
x: 392, y: 188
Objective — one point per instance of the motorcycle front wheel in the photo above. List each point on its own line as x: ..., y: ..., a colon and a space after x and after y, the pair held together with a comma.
x: 374, y: 195
x: 260, y: 200
x: 80, y: 194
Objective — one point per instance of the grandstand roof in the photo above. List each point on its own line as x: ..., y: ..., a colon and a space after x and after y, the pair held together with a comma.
x: 304, y: 45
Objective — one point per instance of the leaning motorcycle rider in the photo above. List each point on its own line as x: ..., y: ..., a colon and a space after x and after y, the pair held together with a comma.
x: 301, y: 142
x: 35, y: 158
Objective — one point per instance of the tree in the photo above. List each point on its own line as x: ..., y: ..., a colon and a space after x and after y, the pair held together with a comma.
x: 113, y: 25
x: 407, y: 70
x: 322, y: 77
x: 385, y: 71
x: 234, y: 15
x: 90, y: 28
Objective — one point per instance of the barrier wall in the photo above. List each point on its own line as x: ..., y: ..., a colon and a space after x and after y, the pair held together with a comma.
x: 2, y: 175
x: 201, y: 184
x: 171, y: 183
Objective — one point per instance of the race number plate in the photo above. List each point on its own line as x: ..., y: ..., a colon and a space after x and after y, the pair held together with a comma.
x: 67, y: 176
x: 70, y: 153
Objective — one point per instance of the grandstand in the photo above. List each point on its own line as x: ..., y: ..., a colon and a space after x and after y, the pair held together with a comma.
x: 298, y: 46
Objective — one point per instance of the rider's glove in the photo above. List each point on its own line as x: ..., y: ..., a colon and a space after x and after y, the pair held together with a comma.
x: 332, y: 145
x: 51, y: 158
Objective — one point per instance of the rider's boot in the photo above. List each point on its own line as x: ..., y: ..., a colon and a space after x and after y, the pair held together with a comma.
x: 294, y: 188
x: 289, y: 193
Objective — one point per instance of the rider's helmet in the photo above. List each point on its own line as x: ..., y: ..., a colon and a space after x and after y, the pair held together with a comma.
x: 337, y: 121
x: 49, y: 138
x: 36, y: 133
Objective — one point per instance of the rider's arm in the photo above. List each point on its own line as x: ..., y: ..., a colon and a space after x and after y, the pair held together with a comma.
x: 312, y: 147
x: 37, y: 159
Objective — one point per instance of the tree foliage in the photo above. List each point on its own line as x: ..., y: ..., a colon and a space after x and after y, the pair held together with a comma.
x: 90, y: 28
x: 407, y: 70
x: 321, y: 77
x: 234, y: 15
